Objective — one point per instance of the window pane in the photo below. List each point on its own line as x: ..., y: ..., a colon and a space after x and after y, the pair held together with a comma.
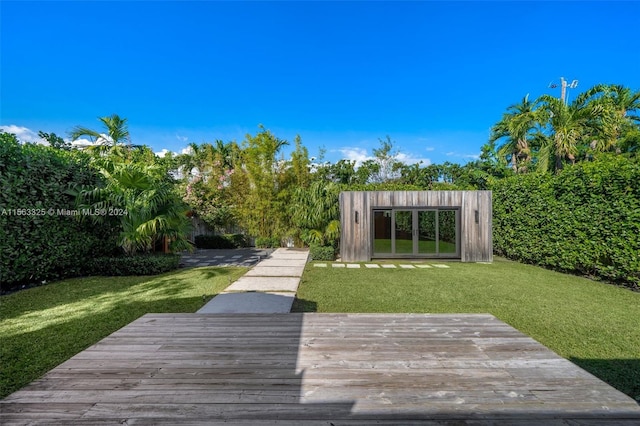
x: 382, y: 231
x: 404, y: 234
x: 447, y: 231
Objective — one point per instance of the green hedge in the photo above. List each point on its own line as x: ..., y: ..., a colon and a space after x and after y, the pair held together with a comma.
x: 38, y: 242
x: 148, y: 264
x: 322, y: 252
x: 585, y: 219
x: 267, y: 242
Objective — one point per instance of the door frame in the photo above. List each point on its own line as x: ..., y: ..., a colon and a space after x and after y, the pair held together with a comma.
x: 415, y: 230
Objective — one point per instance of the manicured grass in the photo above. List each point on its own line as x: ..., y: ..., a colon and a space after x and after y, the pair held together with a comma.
x: 44, y: 326
x: 593, y: 324
x: 406, y: 246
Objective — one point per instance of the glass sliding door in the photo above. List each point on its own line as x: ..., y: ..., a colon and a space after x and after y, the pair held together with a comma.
x: 416, y: 232
x: 403, y: 231
x: 382, y: 232
x: 427, y: 243
x: 447, y: 232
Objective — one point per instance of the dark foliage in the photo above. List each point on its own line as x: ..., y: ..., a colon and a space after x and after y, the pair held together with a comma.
x: 322, y: 252
x: 143, y: 264
x: 40, y: 236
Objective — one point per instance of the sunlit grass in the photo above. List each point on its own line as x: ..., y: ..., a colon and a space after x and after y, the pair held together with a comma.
x: 44, y: 326
x: 591, y: 323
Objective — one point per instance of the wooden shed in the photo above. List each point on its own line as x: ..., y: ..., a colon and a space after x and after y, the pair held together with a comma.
x: 416, y: 224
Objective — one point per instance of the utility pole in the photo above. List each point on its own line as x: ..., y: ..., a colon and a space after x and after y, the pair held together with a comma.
x: 563, y: 88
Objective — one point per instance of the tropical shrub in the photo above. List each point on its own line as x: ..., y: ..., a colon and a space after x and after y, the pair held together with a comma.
x: 267, y: 242
x: 317, y: 252
x: 142, y: 199
x: 316, y: 213
x: 148, y: 264
x: 585, y: 219
x: 40, y: 238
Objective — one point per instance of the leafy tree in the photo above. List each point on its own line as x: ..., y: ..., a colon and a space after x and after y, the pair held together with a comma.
x: 206, y: 172
x: 385, y: 157
x: 257, y: 187
x: 300, y: 164
x: 55, y: 141
x: 516, y: 128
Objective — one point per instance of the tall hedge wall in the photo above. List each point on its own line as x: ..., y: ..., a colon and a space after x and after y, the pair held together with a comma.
x: 36, y: 242
x: 585, y: 219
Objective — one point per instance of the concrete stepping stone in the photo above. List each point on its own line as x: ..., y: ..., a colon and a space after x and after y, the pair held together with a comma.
x: 320, y: 265
x: 337, y: 265
x: 353, y: 265
x: 264, y: 284
x: 275, y: 271
x: 438, y: 265
x: 424, y: 266
x: 389, y: 266
x: 281, y: 262
x: 249, y: 303
x: 371, y: 265
x: 407, y: 266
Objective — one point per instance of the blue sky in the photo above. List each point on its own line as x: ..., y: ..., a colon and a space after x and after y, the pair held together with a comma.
x: 434, y: 76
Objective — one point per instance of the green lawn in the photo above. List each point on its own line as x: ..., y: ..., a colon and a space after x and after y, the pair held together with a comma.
x: 383, y: 245
x: 593, y: 324
x: 44, y: 326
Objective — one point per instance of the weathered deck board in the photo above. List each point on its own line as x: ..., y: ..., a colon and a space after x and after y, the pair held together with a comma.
x: 318, y: 369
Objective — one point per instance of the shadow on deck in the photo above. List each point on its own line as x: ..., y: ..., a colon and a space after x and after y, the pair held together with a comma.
x: 318, y: 369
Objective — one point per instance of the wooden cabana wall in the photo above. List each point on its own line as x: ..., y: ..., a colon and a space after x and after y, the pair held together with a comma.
x: 474, y: 220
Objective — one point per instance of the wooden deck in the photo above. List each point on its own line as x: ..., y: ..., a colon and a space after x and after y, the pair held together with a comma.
x: 328, y: 369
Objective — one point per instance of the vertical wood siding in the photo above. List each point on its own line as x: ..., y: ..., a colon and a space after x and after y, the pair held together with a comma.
x: 476, y: 243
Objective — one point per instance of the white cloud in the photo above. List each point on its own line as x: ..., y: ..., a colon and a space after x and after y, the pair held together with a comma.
x: 466, y: 156
x: 24, y: 134
x: 359, y: 155
x: 182, y: 138
x: 410, y: 159
x: 82, y: 143
x: 165, y: 151
x: 187, y: 150
x: 429, y: 148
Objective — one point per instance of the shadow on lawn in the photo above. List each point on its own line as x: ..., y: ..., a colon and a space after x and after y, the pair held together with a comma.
x: 622, y: 374
x: 29, y: 354
x: 302, y: 305
x: 76, y: 290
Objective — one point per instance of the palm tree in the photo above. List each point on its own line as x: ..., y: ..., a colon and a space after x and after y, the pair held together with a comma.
x: 112, y: 139
x: 568, y: 125
x: 517, y: 126
x: 144, y: 201
x: 619, y: 106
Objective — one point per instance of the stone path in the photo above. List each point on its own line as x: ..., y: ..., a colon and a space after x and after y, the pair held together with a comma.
x: 269, y: 287
x: 220, y: 257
